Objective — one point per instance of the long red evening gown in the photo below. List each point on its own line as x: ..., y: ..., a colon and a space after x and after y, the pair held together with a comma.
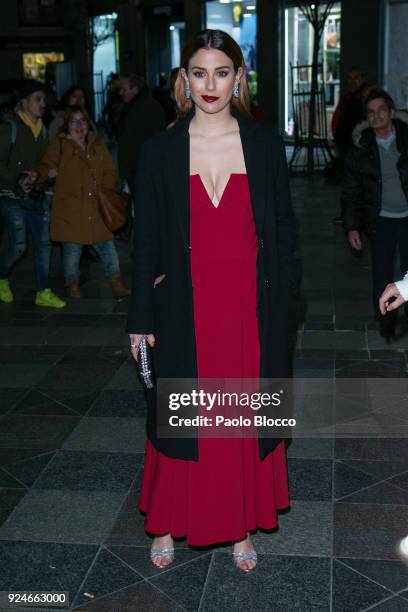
x: 229, y: 490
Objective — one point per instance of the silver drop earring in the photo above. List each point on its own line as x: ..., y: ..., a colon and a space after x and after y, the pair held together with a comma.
x: 188, y: 92
x: 235, y: 91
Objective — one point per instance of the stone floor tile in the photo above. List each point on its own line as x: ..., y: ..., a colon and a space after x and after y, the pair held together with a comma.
x: 278, y: 583
x: 347, y: 479
x: 122, y: 435
x: 89, y: 471
x: 119, y: 403
x: 394, y: 604
x: 335, y: 340
x: 392, y: 575
x: 138, y: 557
x: 320, y: 448
x: 107, y: 575
x: 78, y: 399
x: 9, y: 498
x: 46, y: 432
x: 382, y: 449
x: 9, y: 397
x: 305, y: 530
x: 37, y: 403
x: 63, y: 516
x: 125, y: 378
x: 368, y: 531
x: 28, y: 470
x: 310, y: 479
x: 353, y: 592
x: 19, y: 375
x: 44, y: 566
x: 185, y: 583
x: 143, y: 597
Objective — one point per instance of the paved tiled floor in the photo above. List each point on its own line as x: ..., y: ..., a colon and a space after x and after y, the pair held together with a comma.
x: 71, y: 444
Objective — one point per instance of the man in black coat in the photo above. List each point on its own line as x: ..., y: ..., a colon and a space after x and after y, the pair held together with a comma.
x: 141, y: 117
x: 375, y: 193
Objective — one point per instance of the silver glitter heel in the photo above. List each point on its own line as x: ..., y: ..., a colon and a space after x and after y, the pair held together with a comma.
x: 165, y: 553
x: 241, y: 557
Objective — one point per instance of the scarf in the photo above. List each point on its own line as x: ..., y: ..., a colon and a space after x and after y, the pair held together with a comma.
x: 36, y: 128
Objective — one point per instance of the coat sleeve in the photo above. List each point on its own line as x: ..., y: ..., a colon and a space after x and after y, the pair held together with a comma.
x: 6, y: 176
x: 51, y: 159
x: 402, y: 286
x: 285, y: 218
x: 146, y: 247
x: 109, y: 174
x: 352, y: 192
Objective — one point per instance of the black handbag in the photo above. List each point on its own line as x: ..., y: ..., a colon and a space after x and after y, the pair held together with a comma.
x: 145, y: 365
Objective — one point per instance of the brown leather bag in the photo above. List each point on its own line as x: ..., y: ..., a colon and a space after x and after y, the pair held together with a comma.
x: 113, y: 208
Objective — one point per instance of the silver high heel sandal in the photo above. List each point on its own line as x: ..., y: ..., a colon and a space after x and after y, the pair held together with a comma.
x: 165, y: 553
x: 240, y: 557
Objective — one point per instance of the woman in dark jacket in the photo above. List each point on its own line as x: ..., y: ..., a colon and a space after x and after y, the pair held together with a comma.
x: 212, y: 261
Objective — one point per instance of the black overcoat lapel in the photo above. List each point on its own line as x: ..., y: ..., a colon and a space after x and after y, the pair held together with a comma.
x: 178, y: 179
x: 256, y: 157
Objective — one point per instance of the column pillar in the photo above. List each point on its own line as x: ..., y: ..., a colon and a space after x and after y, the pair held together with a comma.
x: 193, y: 16
x: 270, y: 60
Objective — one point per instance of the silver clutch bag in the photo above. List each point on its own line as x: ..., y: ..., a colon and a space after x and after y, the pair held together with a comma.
x: 145, y: 365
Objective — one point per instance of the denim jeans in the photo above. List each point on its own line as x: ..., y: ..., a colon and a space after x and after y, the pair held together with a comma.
x: 72, y: 256
x: 16, y: 221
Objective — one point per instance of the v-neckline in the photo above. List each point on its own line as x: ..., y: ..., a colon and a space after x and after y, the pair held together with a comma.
x: 225, y: 188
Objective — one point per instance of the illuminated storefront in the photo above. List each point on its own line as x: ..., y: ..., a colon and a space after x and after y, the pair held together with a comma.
x: 239, y: 20
x: 299, y: 50
x: 34, y: 64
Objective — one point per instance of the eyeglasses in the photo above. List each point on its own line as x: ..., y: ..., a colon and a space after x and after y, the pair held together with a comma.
x: 380, y: 112
x: 78, y: 122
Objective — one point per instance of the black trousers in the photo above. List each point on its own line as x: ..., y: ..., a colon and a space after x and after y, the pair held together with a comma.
x: 391, y: 236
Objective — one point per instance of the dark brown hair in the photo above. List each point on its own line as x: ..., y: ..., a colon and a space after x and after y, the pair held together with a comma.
x: 213, y: 39
x: 73, y: 110
x: 377, y: 92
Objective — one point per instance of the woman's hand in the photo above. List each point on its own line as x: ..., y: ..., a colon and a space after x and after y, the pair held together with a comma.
x: 390, y: 291
x: 53, y: 173
x: 135, y: 340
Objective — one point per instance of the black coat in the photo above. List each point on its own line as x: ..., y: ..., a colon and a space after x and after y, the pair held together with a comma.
x: 361, y: 196
x: 139, y: 120
x: 162, y: 247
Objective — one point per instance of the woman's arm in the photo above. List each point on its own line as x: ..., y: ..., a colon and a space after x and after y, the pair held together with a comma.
x: 51, y: 161
x: 286, y: 224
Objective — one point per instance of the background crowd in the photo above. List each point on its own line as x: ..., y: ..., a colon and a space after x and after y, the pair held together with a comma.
x: 54, y: 161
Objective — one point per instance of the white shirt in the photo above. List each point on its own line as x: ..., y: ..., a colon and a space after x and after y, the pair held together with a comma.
x: 402, y: 286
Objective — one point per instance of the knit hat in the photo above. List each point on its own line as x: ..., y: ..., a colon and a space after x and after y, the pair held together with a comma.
x: 28, y: 87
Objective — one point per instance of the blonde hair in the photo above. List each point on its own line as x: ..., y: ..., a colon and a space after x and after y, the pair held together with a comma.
x: 212, y: 39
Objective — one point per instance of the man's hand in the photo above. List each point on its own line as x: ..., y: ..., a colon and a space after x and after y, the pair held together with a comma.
x: 390, y: 291
x: 355, y: 240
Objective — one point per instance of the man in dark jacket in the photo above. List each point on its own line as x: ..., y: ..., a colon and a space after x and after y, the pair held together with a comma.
x: 375, y: 193
x: 23, y: 142
x: 141, y: 117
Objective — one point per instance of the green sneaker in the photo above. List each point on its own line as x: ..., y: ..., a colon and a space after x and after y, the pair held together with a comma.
x: 48, y: 298
x: 5, y: 291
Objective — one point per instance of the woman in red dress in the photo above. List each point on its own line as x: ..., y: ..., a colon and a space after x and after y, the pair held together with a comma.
x: 213, y: 245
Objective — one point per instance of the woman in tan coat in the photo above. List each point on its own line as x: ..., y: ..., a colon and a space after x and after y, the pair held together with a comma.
x: 80, y: 163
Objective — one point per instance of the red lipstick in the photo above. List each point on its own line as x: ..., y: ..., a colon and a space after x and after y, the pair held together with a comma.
x: 210, y: 98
